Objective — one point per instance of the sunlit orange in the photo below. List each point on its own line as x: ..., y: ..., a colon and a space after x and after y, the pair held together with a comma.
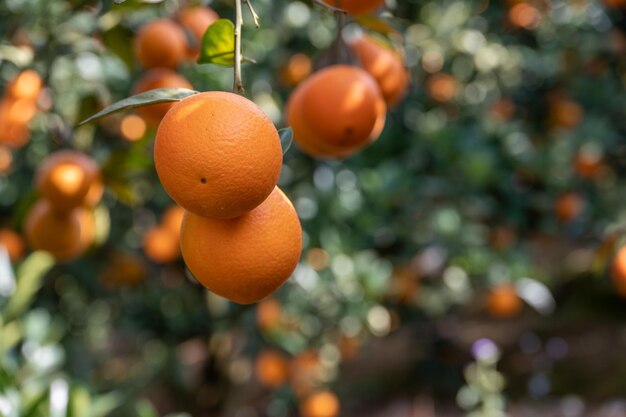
x: 271, y: 368
x: 133, y: 127
x: 318, y: 258
x: 442, y: 87
x: 27, y: 85
x: 296, y: 70
x: 173, y: 219
x: 320, y: 404
x: 568, y: 206
x: 503, y: 301
x: 524, y: 15
x: 161, y: 245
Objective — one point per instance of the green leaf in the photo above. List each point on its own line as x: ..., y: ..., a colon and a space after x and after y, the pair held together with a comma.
x: 159, y: 95
x: 218, y: 44
x: 29, y: 279
x: 144, y: 408
x: 286, y: 138
x: 33, y: 410
x: 104, y: 404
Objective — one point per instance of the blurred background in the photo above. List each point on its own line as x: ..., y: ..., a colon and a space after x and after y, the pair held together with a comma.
x: 462, y: 265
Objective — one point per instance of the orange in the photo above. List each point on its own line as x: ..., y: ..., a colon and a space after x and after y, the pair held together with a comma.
x: 247, y: 258
x: 442, y: 87
x: 133, y: 127
x: 296, y: 70
x: 13, y: 243
x: 196, y: 19
x: 27, y: 85
x: 123, y: 269
x: 357, y: 7
x: 87, y: 222
x: 618, y: 271
x: 525, y: 16
x: 69, y: 179
x: 588, y: 164
x: 565, y: 113
x: 15, y: 114
x: 217, y: 154
x: 320, y: 404
x: 336, y: 112
x: 503, y: 301
x: 268, y: 314
x: 160, y: 43
x: 386, y: 66
x: 173, y: 218
x: 349, y: 347
x: 57, y: 233
x: 158, y: 78
x: 161, y: 245
x: 271, y: 368
x: 568, y: 206
x: 306, y: 372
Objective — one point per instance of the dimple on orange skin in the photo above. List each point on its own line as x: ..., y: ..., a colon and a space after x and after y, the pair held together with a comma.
x: 336, y: 112
x: 247, y: 258
x: 386, y: 66
x: 160, y: 43
x: 357, y: 7
x: 158, y: 78
x: 217, y: 154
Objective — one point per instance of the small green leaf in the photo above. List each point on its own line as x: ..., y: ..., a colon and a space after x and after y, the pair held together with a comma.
x: 218, y: 44
x: 159, y: 95
x: 286, y: 138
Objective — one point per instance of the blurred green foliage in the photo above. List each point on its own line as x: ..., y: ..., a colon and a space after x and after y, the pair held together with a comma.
x: 513, y: 105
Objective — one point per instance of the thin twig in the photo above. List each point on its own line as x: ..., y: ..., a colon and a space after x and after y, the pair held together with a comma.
x: 255, y: 16
x: 333, y: 9
x: 237, y: 82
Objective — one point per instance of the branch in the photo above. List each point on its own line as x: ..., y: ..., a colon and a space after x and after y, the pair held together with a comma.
x: 255, y: 16
x: 237, y: 82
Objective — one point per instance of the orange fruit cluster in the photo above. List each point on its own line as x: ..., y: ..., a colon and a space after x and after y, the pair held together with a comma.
x: 160, y: 47
x: 341, y: 109
x: 62, y: 221
x: 219, y: 157
x: 18, y: 106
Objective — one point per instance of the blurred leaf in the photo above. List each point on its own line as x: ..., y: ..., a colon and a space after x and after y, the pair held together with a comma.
x: 10, y: 335
x: 286, y: 138
x: 104, y: 404
x: 218, y: 44
x: 159, y: 95
x: 378, y: 25
x: 144, y: 408
x: 33, y: 409
x: 29, y: 279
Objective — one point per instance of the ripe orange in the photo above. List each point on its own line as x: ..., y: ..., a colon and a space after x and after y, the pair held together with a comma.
x: 565, y: 113
x: 568, y: 206
x: 57, y: 233
x: 196, y: 19
x: 160, y: 43
x: 268, y: 314
x: 525, y: 16
x: 588, y: 164
x: 69, y: 179
x: 161, y: 245
x: 133, y: 127
x: 271, y: 368
x: 357, y: 7
x: 618, y: 271
x: 296, y: 70
x: 503, y: 301
x: 386, y: 66
x: 13, y: 243
x: 123, y: 269
x: 173, y: 219
x: 442, y: 87
x: 6, y: 159
x: 217, y: 154
x: 320, y: 404
x: 27, y: 85
x: 158, y: 78
x: 247, y: 258
x: 87, y: 222
x: 15, y: 114
x: 336, y: 112
x: 306, y: 373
